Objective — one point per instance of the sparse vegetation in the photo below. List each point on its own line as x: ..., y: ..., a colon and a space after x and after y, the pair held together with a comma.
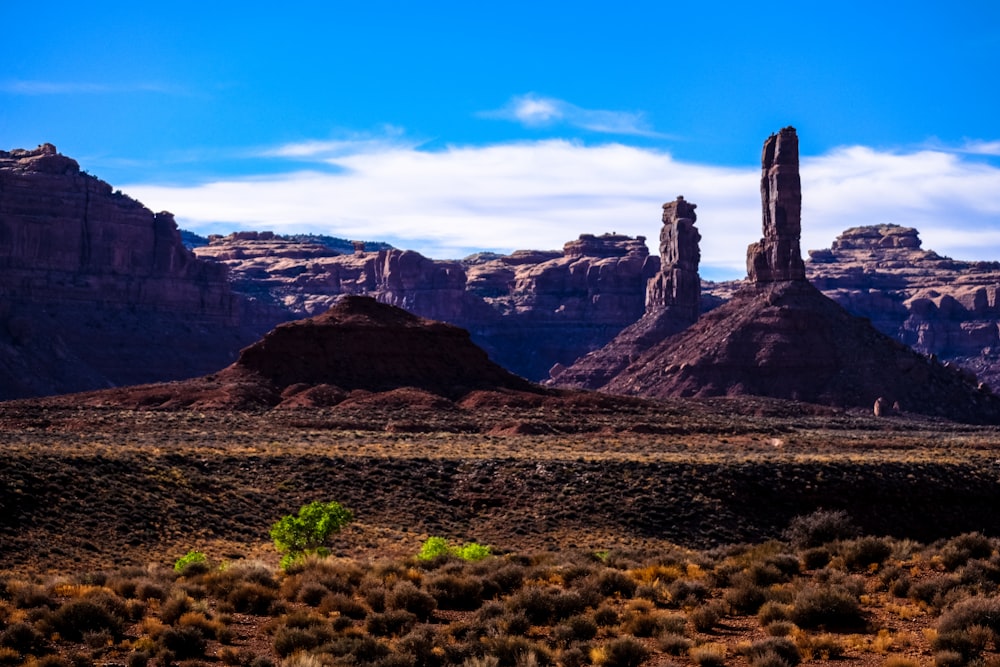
x: 575, y: 578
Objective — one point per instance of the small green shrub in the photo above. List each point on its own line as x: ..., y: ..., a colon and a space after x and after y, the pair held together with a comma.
x: 306, y: 533
x: 191, y: 563
x: 438, y: 547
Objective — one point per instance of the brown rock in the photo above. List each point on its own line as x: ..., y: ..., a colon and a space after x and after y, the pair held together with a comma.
x: 780, y: 337
x: 672, y: 304
x: 935, y: 304
x: 98, y: 290
x: 882, y: 407
x: 777, y: 257
x: 529, y: 310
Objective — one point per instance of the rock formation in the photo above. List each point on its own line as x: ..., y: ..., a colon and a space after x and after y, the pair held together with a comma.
x: 934, y: 304
x: 358, y: 346
x: 780, y: 337
x: 97, y: 290
x: 777, y: 256
x: 529, y: 309
x: 672, y: 304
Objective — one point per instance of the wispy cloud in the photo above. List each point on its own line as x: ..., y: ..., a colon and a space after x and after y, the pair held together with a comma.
x: 502, y: 197
x: 532, y: 110
x: 23, y: 87
x: 981, y: 148
x: 388, y: 138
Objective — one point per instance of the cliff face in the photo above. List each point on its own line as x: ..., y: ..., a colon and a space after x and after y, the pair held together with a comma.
x: 932, y: 303
x: 528, y: 310
x: 780, y: 337
x: 673, y: 297
x: 97, y: 290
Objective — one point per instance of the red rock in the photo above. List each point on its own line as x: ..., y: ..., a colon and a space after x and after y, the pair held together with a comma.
x: 98, y: 290
x: 777, y: 255
x: 529, y: 309
x: 672, y: 304
x: 780, y: 337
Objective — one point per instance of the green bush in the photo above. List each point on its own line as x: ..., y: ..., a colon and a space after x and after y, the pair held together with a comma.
x: 193, y: 562
x: 297, y: 536
x: 437, y: 547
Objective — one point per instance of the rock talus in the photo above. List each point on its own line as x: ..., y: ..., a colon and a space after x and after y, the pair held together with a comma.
x: 673, y: 298
x: 780, y: 337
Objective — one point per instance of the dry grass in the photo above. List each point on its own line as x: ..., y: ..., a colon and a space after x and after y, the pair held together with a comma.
x: 618, y: 528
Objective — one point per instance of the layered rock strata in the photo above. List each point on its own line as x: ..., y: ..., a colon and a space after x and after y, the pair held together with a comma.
x: 780, y: 337
x: 97, y: 290
x: 934, y: 304
x: 777, y: 256
x: 672, y: 304
x: 357, y: 349
x: 529, y: 309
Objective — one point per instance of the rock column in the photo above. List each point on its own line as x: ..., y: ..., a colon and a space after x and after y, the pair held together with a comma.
x: 777, y: 257
x: 677, y: 287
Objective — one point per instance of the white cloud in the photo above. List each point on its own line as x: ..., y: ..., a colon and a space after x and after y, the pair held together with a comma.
x: 330, y: 150
x: 981, y: 148
x: 534, y: 111
x: 539, y: 195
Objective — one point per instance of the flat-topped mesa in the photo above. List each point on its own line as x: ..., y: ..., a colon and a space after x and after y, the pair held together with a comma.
x: 606, y: 245
x: 677, y: 286
x: 777, y: 257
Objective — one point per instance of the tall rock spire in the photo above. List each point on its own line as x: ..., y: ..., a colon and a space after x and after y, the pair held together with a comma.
x: 677, y: 285
x: 777, y: 257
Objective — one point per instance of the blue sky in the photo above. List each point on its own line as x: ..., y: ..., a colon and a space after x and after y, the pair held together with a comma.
x: 456, y: 127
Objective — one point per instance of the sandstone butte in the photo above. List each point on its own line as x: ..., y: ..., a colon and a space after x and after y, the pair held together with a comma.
x: 97, y: 290
x: 358, y: 348
x: 778, y: 336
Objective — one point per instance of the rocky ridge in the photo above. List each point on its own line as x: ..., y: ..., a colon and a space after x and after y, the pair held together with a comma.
x: 673, y: 298
x: 528, y: 310
x: 97, y: 290
x: 934, y: 304
x: 780, y: 337
x: 357, y: 349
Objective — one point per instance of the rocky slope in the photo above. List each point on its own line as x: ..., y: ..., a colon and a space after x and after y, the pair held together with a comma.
x: 528, y: 310
x: 357, y: 348
x: 97, y: 290
x: 780, y: 337
x: 673, y: 299
x: 934, y: 304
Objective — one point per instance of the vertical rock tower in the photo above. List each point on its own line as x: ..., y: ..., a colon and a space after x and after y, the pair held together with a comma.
x: 673, y: 298
x: 677, y: 286
x: 777, y: 257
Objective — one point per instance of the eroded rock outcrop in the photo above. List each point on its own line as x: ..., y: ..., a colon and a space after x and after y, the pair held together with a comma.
x: 97, y: 290
x: 672, y: 304
x: 359, y: 349
x: 780, y: 337
x: 529, y: 309
x: 777, y: 256
x: 934, y: 304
